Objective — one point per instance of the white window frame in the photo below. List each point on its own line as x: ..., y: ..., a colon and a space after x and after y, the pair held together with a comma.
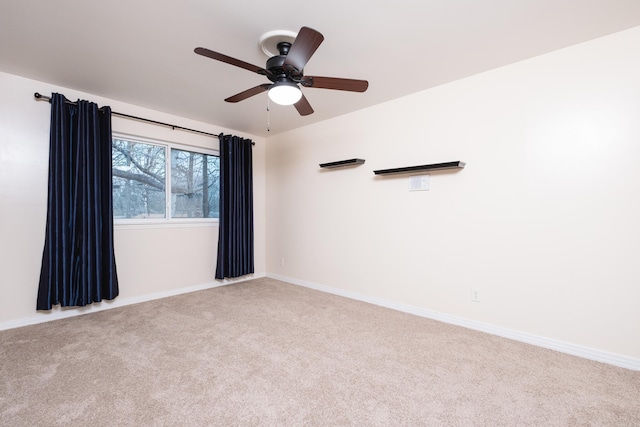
x: 167, y: 221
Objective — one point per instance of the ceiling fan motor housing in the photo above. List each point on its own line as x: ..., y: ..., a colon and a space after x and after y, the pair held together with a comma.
x: 275, y: 65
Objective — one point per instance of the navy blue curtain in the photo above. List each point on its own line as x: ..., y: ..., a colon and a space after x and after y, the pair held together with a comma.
x: 235, y: 238
x: 78, y: 264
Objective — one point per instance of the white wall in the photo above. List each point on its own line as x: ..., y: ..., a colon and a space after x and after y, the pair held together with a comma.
x: 151, y: 261
x: 544, y: 221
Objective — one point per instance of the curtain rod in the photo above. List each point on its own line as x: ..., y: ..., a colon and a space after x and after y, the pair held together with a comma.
x: 127, y: 116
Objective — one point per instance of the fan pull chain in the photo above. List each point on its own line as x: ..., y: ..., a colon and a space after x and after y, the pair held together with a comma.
x: 268, y: 116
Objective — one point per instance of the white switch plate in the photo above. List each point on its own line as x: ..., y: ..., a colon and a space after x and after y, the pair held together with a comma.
x: 419, y: 183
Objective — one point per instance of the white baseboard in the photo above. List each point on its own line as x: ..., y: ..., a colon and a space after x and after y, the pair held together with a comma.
x: 550, y: 343
x: 62, y: 313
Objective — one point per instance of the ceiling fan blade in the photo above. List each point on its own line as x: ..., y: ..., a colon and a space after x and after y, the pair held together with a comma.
x: 305, y: 44
x: 335, y: 83
x: 229, y: 60
x: 303, y: 106
x: 248, y: 93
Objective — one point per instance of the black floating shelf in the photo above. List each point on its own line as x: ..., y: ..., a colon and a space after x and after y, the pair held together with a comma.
x: 341, y: 163
x: 431, y: 167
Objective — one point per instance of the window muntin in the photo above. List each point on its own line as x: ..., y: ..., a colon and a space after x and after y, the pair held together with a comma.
x: 142, y: 170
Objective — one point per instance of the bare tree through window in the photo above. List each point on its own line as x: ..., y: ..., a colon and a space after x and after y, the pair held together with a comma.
x: 194, y: 184
x: 140, y: 187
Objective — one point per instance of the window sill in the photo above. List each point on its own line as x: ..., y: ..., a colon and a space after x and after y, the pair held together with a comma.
x: 154, y: 223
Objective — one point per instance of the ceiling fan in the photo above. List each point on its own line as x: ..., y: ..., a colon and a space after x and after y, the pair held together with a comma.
x: 285, y: 71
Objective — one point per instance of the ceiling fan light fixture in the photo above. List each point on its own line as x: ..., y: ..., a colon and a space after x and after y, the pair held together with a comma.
x: 285, y: 93
x: 284, y: 70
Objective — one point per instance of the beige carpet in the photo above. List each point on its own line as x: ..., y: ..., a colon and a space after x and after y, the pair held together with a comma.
x: 267, y: 353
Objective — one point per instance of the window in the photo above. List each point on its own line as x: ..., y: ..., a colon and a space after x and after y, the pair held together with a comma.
x: 142, y: 171
x: 195, y: 183
x: 139, y: 189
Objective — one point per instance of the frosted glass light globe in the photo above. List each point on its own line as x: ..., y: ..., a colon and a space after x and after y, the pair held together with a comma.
x: 285, y: 93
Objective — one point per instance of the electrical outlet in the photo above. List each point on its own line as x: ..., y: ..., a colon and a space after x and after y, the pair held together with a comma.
x: 419, y: 183
x: 475, y: 295
x: 282, y: 262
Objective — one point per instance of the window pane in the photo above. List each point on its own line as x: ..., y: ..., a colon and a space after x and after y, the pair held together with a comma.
x: 138, y: 180
x: 194, y: 185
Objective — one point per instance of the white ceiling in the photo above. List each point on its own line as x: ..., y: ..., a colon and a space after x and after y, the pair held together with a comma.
x: 141, y: 51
